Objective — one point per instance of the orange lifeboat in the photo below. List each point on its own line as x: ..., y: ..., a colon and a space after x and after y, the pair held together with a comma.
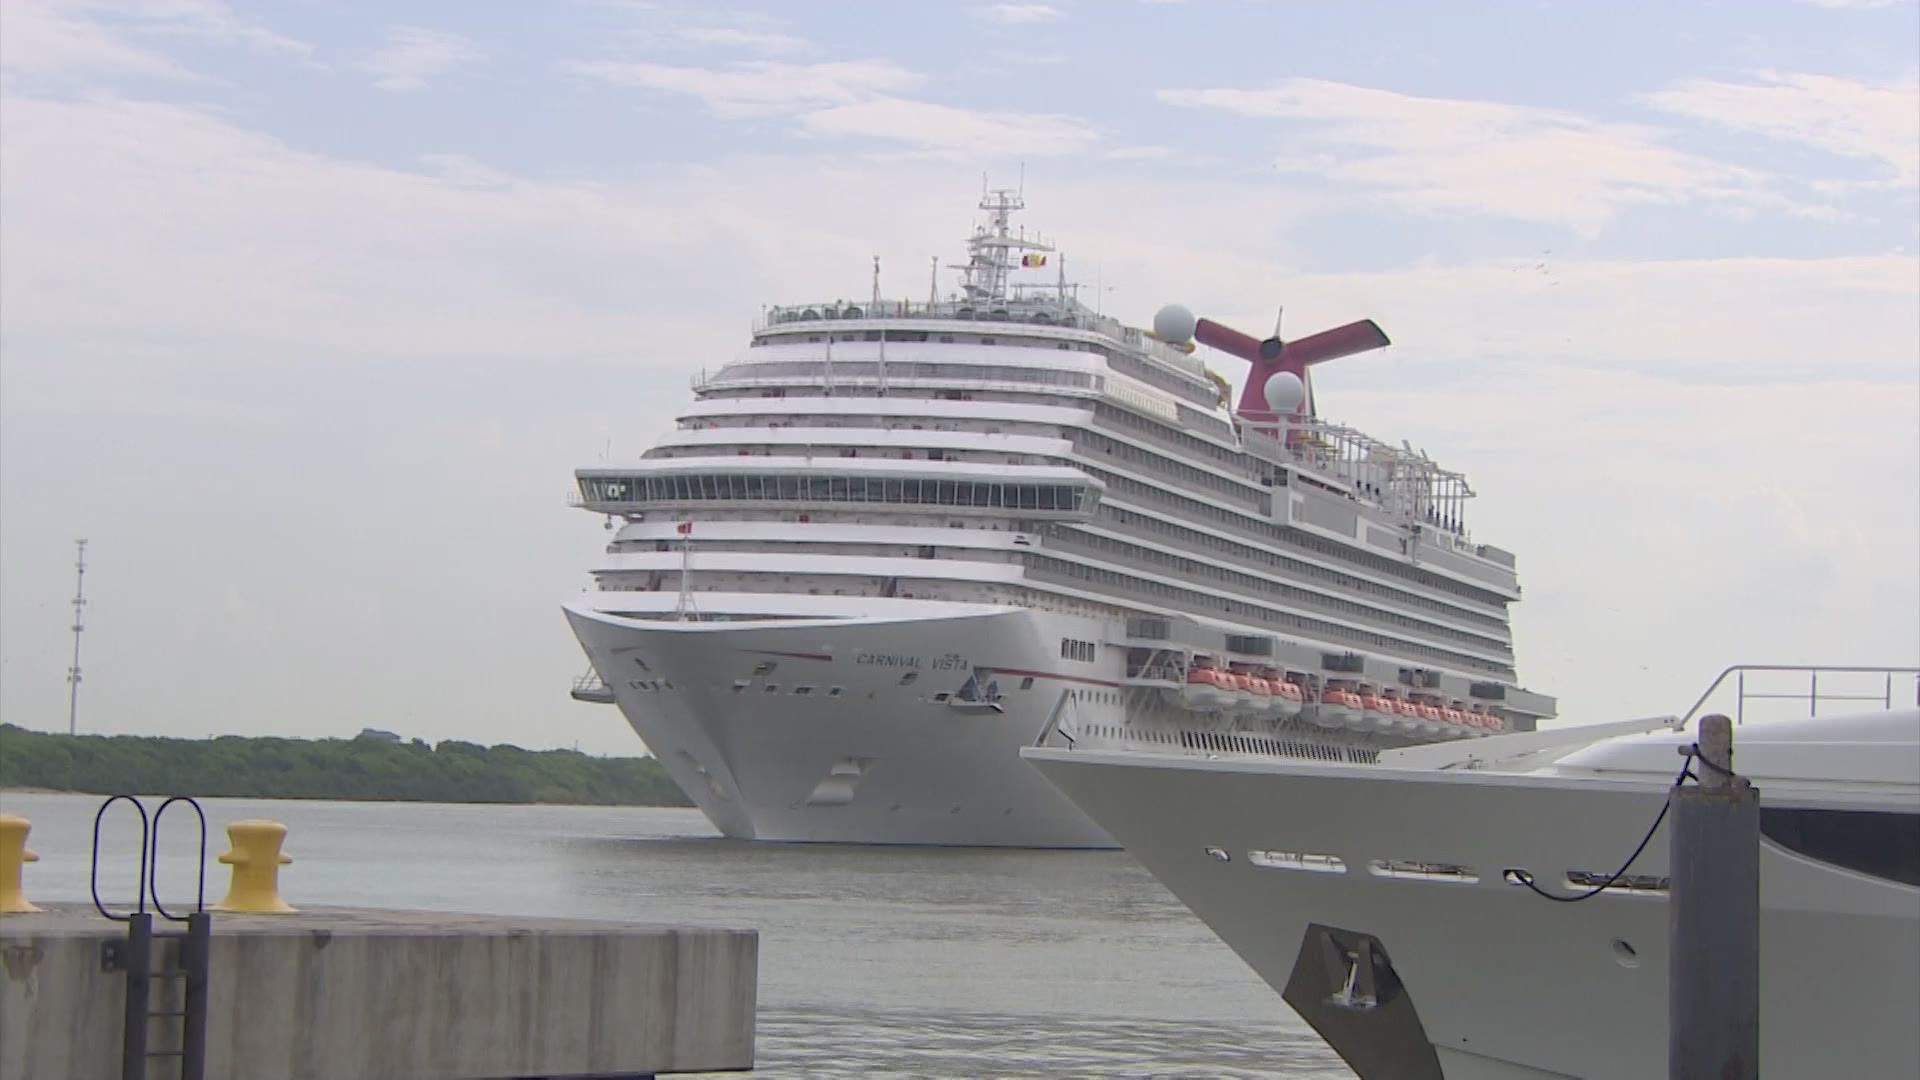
x: 1337, y: 708
x: 1201, y: 691
x: 1377, y: 711
x: 1288, y: 698
x: 1252, y: 693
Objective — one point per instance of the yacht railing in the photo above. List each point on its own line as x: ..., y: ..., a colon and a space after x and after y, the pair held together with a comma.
x: 1813, y: 696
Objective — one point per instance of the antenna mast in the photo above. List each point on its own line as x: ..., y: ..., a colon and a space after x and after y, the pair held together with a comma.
x: 79, y: 602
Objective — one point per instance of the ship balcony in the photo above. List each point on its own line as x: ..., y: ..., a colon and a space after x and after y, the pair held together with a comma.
x: 592, y: 689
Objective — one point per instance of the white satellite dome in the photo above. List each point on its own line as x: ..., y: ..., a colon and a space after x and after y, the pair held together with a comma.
x: 1174, y: 323
x: 1285, y: 393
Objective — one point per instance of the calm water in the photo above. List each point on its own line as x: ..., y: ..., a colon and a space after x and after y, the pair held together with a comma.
x: 873, y: 962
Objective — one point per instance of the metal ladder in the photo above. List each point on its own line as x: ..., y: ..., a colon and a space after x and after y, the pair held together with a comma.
x: 134, y: 954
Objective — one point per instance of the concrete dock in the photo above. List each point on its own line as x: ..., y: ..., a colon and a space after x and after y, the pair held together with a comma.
x: 343, y: 994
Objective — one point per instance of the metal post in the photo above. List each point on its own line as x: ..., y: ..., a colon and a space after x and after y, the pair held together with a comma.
x: 1713, y: 905
x: 194, y: 954
x: 139, y: 972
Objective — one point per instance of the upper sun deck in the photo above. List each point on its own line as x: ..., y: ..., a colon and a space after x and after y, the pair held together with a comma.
x: 1021, y: 341
x: 1029, y: 317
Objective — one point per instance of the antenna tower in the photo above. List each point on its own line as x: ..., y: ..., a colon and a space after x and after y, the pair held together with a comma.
x: 79, y: 603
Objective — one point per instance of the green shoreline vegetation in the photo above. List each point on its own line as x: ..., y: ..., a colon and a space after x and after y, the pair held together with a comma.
x: 373, y: 767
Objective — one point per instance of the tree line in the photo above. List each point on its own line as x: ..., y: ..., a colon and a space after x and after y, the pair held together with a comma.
x: 362, y: 768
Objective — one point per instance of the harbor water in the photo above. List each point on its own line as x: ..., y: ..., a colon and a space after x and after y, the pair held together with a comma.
x: 873, y: 961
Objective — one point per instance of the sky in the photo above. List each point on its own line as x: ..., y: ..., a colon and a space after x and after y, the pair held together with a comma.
x: 309, y: 310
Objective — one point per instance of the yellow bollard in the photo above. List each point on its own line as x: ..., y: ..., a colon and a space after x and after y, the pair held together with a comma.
x: 256, y: 860
x: 13, y: 852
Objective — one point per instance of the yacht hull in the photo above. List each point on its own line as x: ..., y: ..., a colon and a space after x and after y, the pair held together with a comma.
x: 879, y: 747
x: 1479, y: 978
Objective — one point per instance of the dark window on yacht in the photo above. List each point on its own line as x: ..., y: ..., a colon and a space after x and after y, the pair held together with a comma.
x: 803, y: 689
x: 1880, y: 843
x: 907, y: 679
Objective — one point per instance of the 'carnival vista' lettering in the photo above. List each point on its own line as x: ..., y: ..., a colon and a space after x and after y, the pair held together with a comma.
x: 887, y: 660
x: 946, y: 662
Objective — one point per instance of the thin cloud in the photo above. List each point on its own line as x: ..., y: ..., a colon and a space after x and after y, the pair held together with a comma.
x: 414, y: 56
x: 1019, y: 14
x: 730, y: 37
x: 213, y: 20
x: 945, y: 129
x: 46, y: 38
x: 1879, y: 122
x: 854, y: 99
x: 761, y: 86
x: 40, y: 39
x: 1449, y: 155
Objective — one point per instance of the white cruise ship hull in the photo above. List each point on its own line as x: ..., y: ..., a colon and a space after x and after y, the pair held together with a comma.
x: 864, y: 755
x: 1498, y: 983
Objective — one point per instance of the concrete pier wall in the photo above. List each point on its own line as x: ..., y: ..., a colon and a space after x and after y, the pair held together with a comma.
x: 338, y: 994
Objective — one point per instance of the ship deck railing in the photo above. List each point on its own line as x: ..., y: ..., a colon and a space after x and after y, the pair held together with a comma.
x: 1029, y: 309
x: 591, y: 688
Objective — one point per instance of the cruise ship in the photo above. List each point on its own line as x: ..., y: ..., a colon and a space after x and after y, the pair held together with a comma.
x: 894, y: 541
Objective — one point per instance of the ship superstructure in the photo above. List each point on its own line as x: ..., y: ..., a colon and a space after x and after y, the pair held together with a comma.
x: 893, y: 541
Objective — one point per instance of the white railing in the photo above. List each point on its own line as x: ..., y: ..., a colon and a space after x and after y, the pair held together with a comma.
x: 1890, y: 684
